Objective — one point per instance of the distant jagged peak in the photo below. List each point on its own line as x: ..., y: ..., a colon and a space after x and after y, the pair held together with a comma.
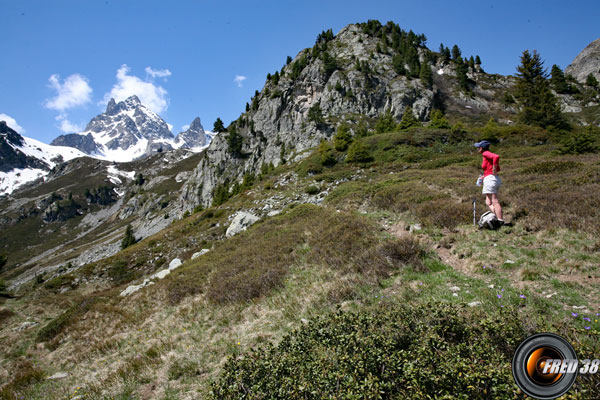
x: 196, y: 125
x: 130, y: 103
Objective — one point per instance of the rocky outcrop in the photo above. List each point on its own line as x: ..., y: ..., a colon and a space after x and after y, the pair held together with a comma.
x: 587, y: 62
x: 84, y: 143
x: 352, y: 77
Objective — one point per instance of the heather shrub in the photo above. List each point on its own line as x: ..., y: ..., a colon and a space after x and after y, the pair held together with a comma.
x: 429, y: 351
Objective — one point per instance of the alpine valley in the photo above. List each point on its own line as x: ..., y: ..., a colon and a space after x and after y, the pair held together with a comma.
x: 335, y: 213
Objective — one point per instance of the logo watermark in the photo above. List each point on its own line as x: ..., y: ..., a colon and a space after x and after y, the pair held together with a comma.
x: 545, y: 366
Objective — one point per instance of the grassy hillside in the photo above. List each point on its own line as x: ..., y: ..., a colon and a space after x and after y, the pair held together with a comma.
x: 369, y: 272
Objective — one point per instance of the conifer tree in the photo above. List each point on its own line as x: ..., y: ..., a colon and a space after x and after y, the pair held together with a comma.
x: 558, y: 80
x: 327, y: 157
x: 438, y: 120
x: 456, y: 54
x: 235, y: 141
x: 538, y: 105
x: 426, y: 75
x: 219, y: 127
x: 591, y: 81
x: 129, y: 238
x: 385, y: 123
x: 358, y: 152
x: 342, y: 138
x: 461, y: 75
x: 408, y: 119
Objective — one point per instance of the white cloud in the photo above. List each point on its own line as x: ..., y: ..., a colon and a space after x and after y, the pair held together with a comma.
x: 239, y: 79
x: 72, y: 92
x: 152, y: 96
x: 12, y: 123
x: 67, y: 126
x: 185, y: 128
x: 157, y: 73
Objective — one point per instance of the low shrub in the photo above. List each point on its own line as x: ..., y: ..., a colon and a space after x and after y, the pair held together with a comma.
x: 400, y: 197
x: 390, y: 256
x: 5, y: 314
x: 58, y: 282
x: 67, y: 318
x: 430, y: 351
x: 23, y: 375
x: 183, y: 369
x: 312, y: 190
x: 445, y: 213
x: 551, y: 167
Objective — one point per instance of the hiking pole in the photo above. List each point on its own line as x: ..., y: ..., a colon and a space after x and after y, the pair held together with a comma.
x: 474, y: 212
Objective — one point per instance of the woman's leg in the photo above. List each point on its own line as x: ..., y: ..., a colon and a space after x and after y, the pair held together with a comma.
x: 489, y: 202
x: 496, y: 207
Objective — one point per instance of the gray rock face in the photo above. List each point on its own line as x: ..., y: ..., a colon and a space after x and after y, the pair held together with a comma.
x: 84, y: 143
x: 587, y: 62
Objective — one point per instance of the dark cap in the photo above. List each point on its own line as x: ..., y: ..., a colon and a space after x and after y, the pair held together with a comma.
x: 483, y: 143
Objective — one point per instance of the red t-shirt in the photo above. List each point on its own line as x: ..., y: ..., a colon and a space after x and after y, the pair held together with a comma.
x: 489, y: 160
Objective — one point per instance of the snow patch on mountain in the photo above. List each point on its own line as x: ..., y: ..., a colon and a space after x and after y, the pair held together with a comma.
x: 51, y: 155
x: 40, y: 157
x: 10, y: 181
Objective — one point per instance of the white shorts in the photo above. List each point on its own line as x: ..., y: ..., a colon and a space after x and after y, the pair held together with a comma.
x: 491, y: 184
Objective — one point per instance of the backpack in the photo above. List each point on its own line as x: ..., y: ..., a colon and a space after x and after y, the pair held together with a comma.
x: 489, y: 221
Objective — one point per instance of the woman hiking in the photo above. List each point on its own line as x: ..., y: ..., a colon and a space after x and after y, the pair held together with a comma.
x: 490, y: 179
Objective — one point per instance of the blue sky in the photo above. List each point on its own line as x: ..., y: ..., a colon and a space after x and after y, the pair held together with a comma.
x: 61, y: 60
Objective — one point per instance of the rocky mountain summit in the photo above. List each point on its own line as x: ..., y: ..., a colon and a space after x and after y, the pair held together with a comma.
x: 193, y: 137
x: 352, y: 77
x: 128, y: 130
x: 587, y: 62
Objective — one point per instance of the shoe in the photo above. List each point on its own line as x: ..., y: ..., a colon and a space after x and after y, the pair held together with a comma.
x: 501, y: 221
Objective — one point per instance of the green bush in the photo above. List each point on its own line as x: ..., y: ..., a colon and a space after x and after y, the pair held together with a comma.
x: 359, y: 152
x: 431, y: 351
x: 580, y: 142
x: 60, y: 323
x: 445, y: 213
x: 326, y: 153
x: 551, y: 167
x: 342, y: 138
x: 120, y: 272
x: 311, y: 165
x: 183, y: 369
x: 312, y: 190
x: 58, y: 282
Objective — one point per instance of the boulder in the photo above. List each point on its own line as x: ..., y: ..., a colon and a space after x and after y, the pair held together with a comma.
x: 200, y: 253
x: 240, y: 223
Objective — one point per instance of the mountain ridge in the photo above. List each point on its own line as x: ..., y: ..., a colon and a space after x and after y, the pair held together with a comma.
x: 128, y: 130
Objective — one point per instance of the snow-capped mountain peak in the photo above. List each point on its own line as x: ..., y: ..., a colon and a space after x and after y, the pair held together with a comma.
x: 128, y: 130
